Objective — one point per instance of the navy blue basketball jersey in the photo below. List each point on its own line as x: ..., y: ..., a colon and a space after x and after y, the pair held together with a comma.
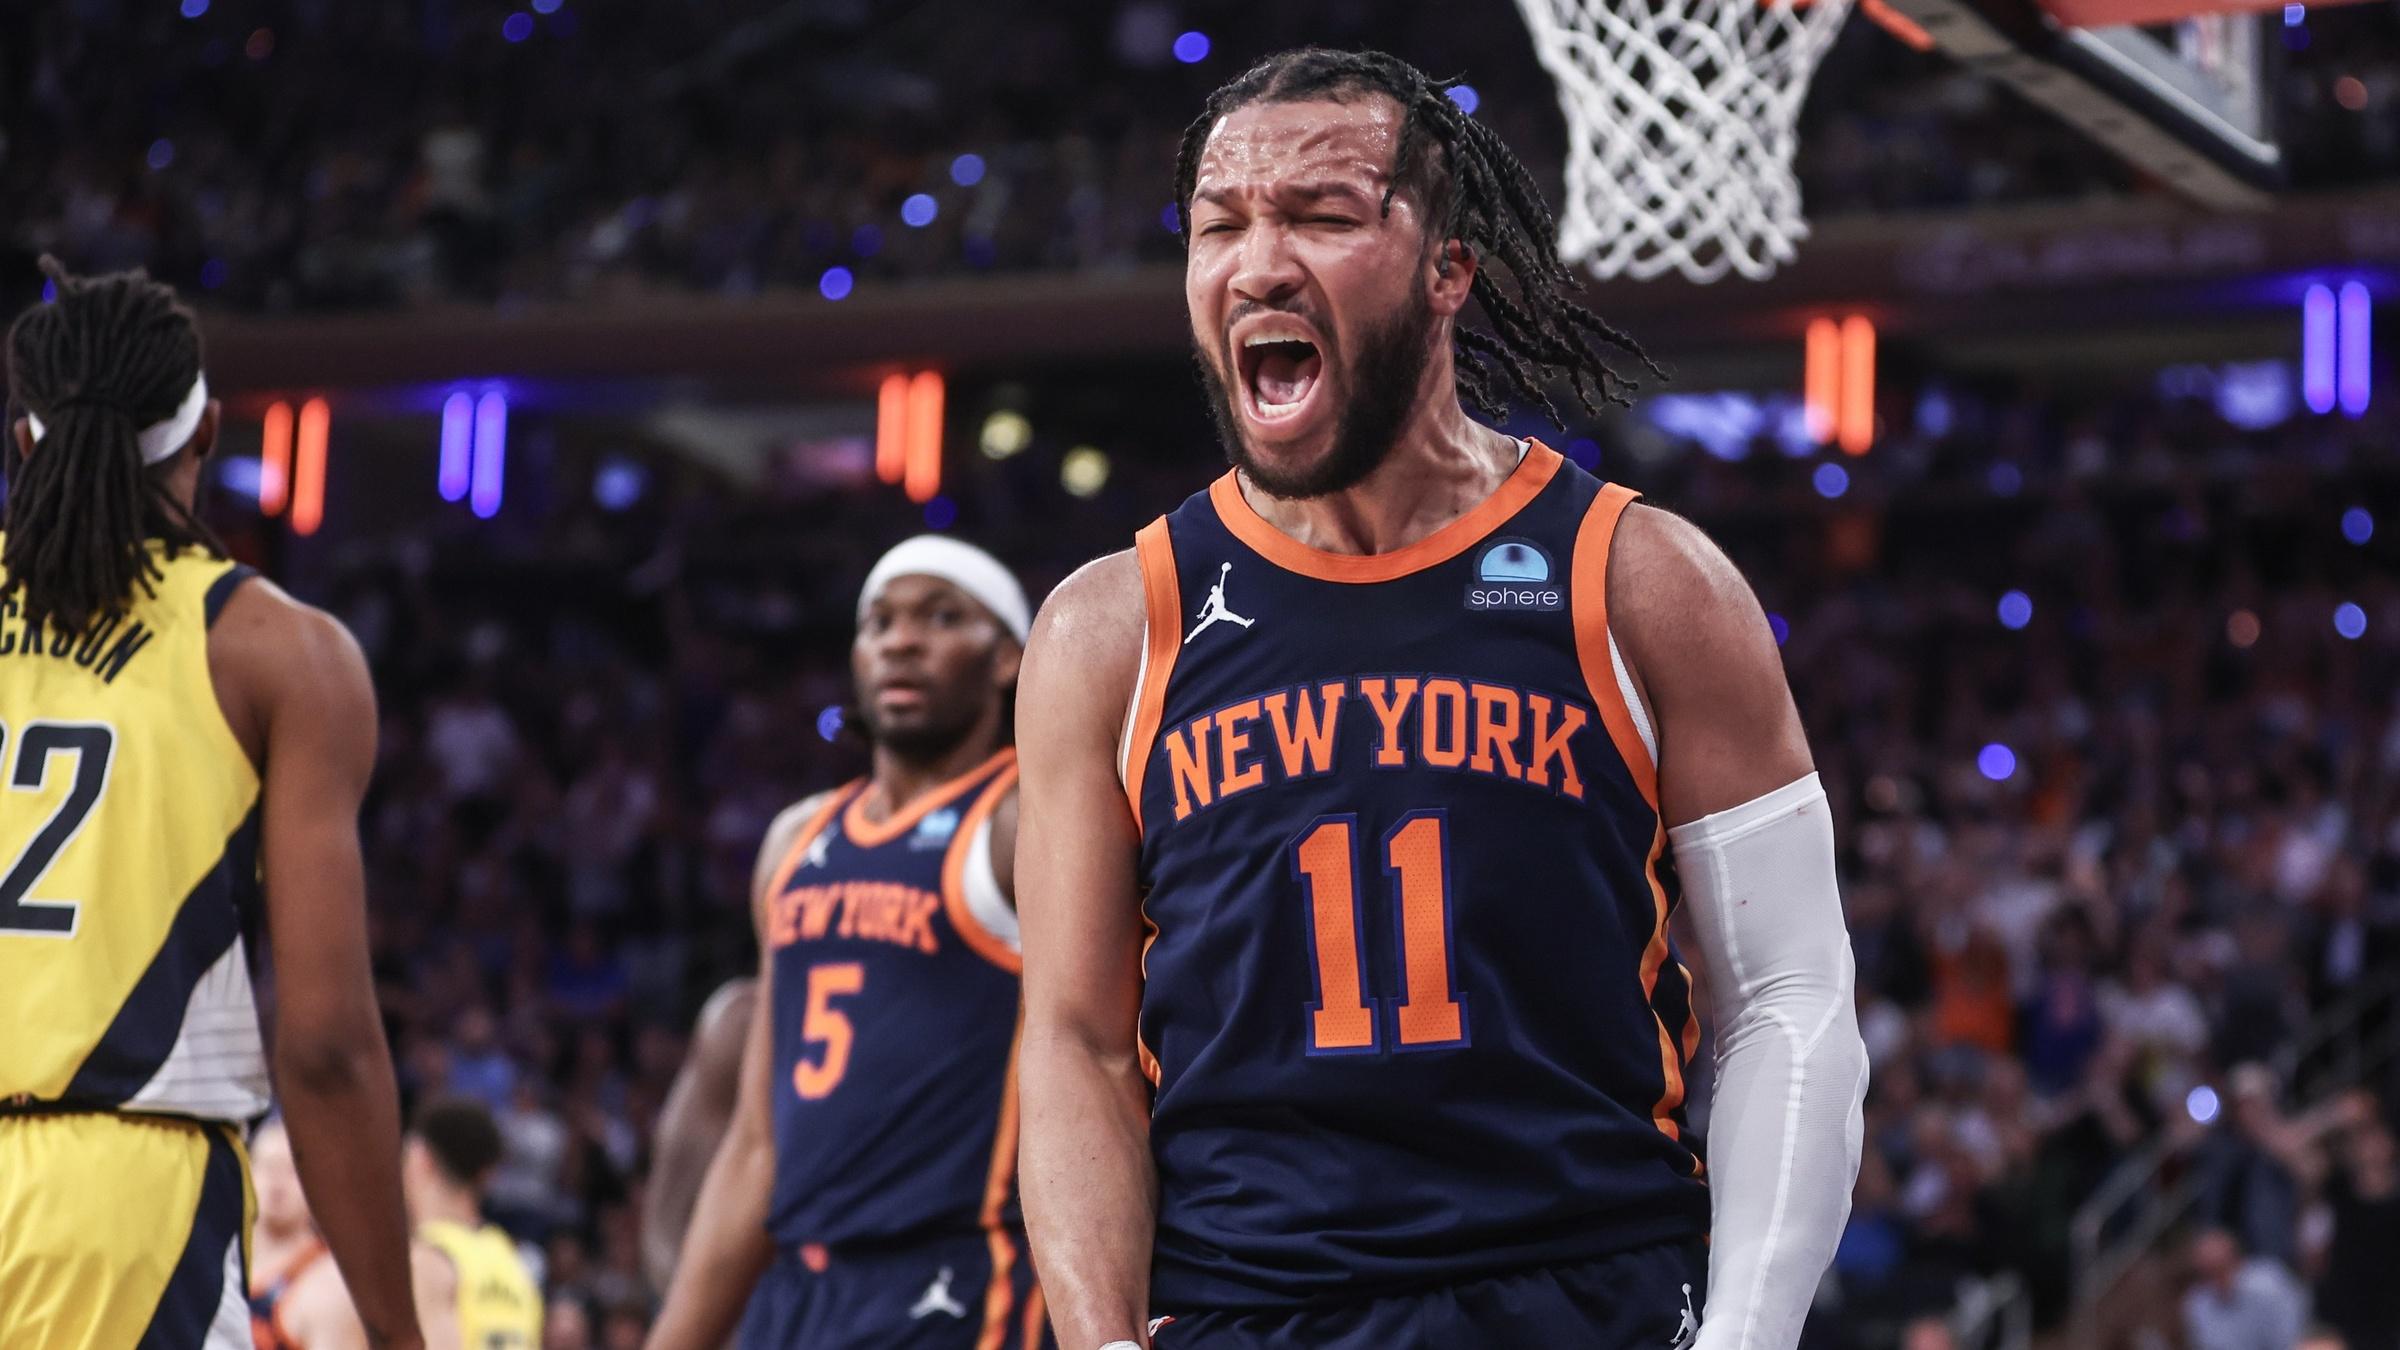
x: 1410, y: 1003
x: 895, y: 1021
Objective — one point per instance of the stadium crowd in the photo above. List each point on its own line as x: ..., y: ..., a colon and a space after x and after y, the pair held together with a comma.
x: 296, y: 154
x: 2116, y: 765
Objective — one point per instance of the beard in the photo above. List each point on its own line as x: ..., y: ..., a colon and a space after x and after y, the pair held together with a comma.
x: 1384, y: 377
x: 931, y: 732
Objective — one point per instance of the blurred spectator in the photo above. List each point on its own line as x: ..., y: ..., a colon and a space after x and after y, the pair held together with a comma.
x: 2238, y: 1304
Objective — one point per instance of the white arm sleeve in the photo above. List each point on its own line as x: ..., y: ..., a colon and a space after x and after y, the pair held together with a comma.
x: 1786, y: 1121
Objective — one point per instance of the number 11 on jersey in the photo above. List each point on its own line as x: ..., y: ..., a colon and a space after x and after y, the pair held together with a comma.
x: 1416, y: 863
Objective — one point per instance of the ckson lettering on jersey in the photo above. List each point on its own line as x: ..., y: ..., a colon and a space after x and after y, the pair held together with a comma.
x: 101, y: 649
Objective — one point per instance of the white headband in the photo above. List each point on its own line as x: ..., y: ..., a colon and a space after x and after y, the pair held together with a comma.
x: 963, y: 565
x: 159, y: 439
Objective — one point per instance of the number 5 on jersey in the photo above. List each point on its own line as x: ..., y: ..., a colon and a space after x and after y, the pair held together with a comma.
x: 823, y: 1024
x: 1415, y: 859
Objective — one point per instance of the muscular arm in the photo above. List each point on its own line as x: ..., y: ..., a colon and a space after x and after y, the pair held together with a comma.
x: 1753, y: 842
x: 313, y: 715
x: 726, y: 1248
x: 698, y: 1110
x: 1090, y: 1186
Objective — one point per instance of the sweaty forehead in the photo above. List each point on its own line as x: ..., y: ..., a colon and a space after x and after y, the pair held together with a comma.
x: 1258, y: 145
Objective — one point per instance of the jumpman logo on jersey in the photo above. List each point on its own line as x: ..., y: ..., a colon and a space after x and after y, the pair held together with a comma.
x: 937, y: 1299
x: 1215, y: 608
x: 1687, y: 1328
x: 818, y: 849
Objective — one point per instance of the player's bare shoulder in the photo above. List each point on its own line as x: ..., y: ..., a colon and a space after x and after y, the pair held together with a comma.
x: 1086, y: 649
x: 266, y: 646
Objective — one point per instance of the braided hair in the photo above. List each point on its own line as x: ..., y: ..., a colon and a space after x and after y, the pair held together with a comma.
x: 111, y: 355
x: 1476, y: 191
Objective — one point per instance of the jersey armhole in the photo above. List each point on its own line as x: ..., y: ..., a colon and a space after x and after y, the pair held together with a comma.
x: 221, y: 591
x: 971, y: 892
x: 1606, y: 675
x: 1162, y: 619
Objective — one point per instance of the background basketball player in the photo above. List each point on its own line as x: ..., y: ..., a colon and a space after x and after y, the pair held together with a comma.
x: 472, y: 1290
x: 1407, y: 1000
x: 297, y: 1301
x: 168, y: 722
x: 866, y: 1188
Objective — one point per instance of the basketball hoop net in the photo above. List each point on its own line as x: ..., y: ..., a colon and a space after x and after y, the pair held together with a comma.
x: 1681, y: 116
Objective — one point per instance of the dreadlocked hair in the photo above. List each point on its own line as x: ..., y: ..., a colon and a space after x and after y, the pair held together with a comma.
x: 110, y: 355
x: 1475, y: 190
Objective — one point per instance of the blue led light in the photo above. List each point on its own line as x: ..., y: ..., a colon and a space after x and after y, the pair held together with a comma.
x: 1780, y: 627
x: 1192, y: 48
x: 966, y: 170
x: 2201, y: 1102
x: 1585, y: 452
x: 491, y: 454
x: 546, y: 6
x: 2358, y: 525
x: 2294, y: 15
x: 1171, y: 218
x: 458, y: 441
x: 213, y: 273
x: 919, y: 210
x: 162, y: 154
x: 517, y: 27
x: 2005, y: 479
x: 193, y: 9
x: 1832, y: 480
x: 2316, y: 348
x: 1996, y: 762
x: 2016, y: 610
x: 1465, y: 97
x: 835, y: 284
x: 2353, y: 372
x: 2350, y: 621
x: 829, y: 721
x: 941, y: 513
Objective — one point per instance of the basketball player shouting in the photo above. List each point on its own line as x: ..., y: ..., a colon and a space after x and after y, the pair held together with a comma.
x: 869, y: 1171
x: 1400, y: 1061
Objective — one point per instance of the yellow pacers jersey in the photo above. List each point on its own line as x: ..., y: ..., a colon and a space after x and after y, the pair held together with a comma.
x: 498, y: 1306
x: 129, y: 831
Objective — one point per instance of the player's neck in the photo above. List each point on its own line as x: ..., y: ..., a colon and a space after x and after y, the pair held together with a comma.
x: 1444, y: 465
x: 899, y: 779
x: 449, y: 1204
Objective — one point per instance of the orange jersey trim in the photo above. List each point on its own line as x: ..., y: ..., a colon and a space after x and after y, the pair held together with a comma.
x: 1588, y: 585
x: 873, y: 834
x: 998, y: 1298
x: 1654, y: 956
x: 797, y: 850
x: 986, y: 943
x: 1533, y: 473
x: 1163, y: 609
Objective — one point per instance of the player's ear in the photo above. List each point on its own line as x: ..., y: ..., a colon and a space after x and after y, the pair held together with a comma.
x: 1451, y: 278
x: 24, y: 437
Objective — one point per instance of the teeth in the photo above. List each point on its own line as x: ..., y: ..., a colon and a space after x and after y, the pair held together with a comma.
x: 1269, y: 340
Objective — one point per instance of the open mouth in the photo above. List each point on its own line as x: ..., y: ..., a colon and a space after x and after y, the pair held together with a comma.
x: 1280, y: 373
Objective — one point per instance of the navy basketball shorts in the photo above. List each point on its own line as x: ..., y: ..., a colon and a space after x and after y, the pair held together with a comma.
x: 967, y: 1291
x: 1645, y: 1299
